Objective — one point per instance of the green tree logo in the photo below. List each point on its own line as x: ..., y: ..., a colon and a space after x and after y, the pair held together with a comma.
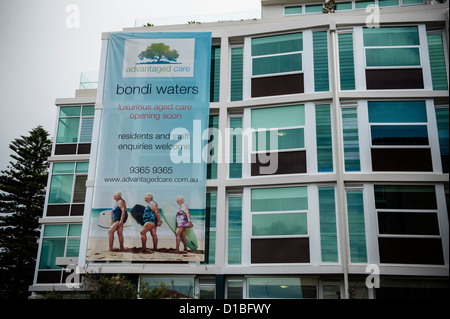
x: 158, y: 53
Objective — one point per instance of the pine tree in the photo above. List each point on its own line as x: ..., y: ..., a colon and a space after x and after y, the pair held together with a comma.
x: 22, y: 193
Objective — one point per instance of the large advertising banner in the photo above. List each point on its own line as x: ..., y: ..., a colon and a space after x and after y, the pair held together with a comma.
x: 150, y: 184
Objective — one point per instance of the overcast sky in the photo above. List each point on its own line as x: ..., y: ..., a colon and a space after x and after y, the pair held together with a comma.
x: 43, y: 51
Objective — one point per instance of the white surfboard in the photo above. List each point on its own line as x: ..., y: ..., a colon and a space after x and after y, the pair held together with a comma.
x: 105, y: 219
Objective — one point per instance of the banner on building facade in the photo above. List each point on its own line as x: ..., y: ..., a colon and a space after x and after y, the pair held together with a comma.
x: 150, y: 182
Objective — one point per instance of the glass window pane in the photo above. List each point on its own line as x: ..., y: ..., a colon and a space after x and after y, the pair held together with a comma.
x: 237, y: 73
x: 281, y: 287
x: 79, y: 192
x: 293, y: 10
x: 68, y: 130
x: 88, y: 110
x: 442, y: 118
x: 320, y: 48
x: 343, y: 6
x: 86, y: 130
x: 211, y: 166
x: 346, y: 61
x: 55, y: 231
x: 399, y: 135
x: 60, y: 189
x: 277, y: 44
x: 75, y: 230
x: 180, y: 287
x: 364, y: 4
x: 356, y: 226
x: 351, y: 139
x: 387, y: 3
x: 63, y: 168
x: 73, y: 247
x: 437, y: 61
x: 51, y: 248
x: 405, y: 196
x: 277, y: 117
x: 390, y: 36
x: 277, y: 64
x: 397, y: 111
x: 314, y: 8
x: 210, y: 233
x: 235, y: 167
x: 82, y: 167
x: 234, y: 230
x: 412, y: 1
x: 401, y: 223
x: 69, y: 111
x: 279, y: 224
x: 323, y: 138
x: 328, y: 230
x: 215, y: 74
x: 279, y: 199
x: 393, y: 57
x: 235, y: 288
x: 286, y: 139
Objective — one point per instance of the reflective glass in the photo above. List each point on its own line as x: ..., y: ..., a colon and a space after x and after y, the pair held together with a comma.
x: 277, y: 44
x: 397, y: 111
x: 68, y: 130
x: 393, y: 57
x: 277, y: 64
x: 390, y: 36
x: 399, y: 135
x: 277, y: 117
x: 279, y: 224
x: 279, y: 199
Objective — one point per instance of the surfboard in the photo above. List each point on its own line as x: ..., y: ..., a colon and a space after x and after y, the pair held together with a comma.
x: 169, y: 213
x: 105, y: 219
x: 137, y: 212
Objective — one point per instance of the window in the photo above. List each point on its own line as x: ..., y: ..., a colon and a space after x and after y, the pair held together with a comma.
x: 356, y: 226
x: 67, y: 189
x: 215, y: 74
x: 178, y: 286
x: 351, y: 139
x: 408, y: 226
x: 442, y: 125
x: 399, y: 136
x: 235, y: 167
x: 392, y: 58
x: 328, y: 226
x: 437, y: 61
x: 346, y: 61
x: 277, y: 65
x: 237, y: 73
x: 279, y: 131
x: 323, y: 137
x: 213, y: 144
x: 234, y: 230
x: 320, y: 52
x: 57, y: 241
x: 363, y: 4
x: 210, y: 235
x: 74, y: 131
x: 281, y: 287
x: 279, y: 225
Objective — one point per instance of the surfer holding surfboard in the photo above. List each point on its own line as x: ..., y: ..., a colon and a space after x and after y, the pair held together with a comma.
x: 151, y: 219
x: 119, y: 216
x: 183, y: 222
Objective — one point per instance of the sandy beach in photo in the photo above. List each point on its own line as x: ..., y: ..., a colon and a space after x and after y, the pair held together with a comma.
x: 98, y: 251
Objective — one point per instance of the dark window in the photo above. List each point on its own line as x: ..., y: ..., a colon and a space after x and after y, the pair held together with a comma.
x: 402, y: 223
x: 277, y: 85
x: 288, y: 163
x: 386, y: 79
x: 411, y: 251
x: 282, y: 250
x: 402, y: 159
